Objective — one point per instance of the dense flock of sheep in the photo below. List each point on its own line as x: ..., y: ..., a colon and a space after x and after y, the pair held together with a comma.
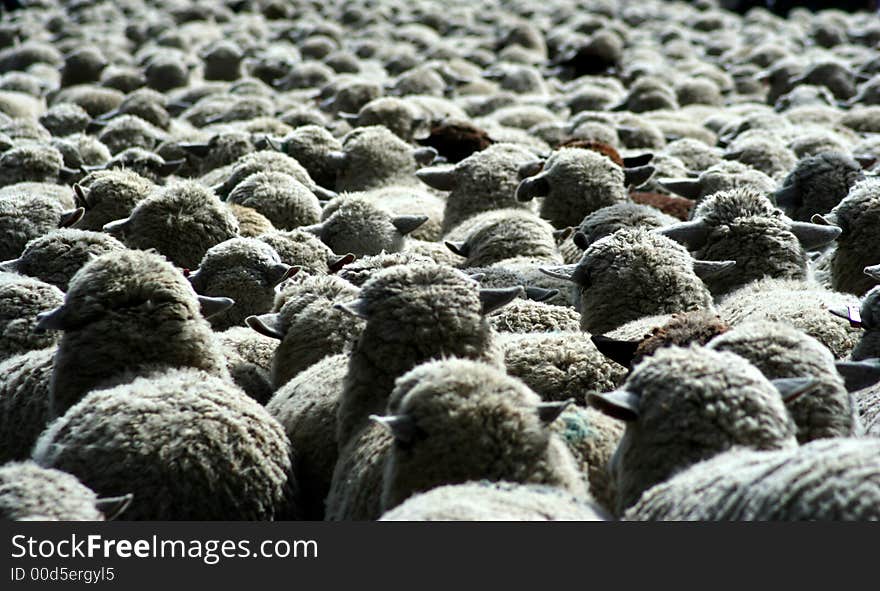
x: 419, y: 260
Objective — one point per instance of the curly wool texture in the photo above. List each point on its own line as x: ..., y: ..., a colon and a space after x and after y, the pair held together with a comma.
x: 694, y: 403
x: 746, y: 228
x: 415, y: 313
x: 494, y: 501
x: 28, y: 491
x: 111, y: 195
x: 251, y: 223
x: 781, y: 351
x: 249, y: 360
x: 634, y: 273
x: 819, y: 183
x: 410, y: 201
x: 698, y: 327
x: 182, y: 221
x: 30, y: 162
x: 126, y: 314
x: 374, y: 158
x: 191, y: 447
x: 729, y: 175
x: 65, y: 119
x: 358, y: 226
x: 858, y: 215
x: 825, y: 480
x: 310, y: 146
x: 513, y: 233
x: 763, y: 152
x: 358, y: 272
x: 526, y: 316
x: 801, y: 304
x: 264, y: 161
x: 581, y: 182
x: 24, y: 217
x: 312, y: 326
x: 472, y: 422
x: 484, y: 181
x: 55, y: 257
x: 299, y: 248
x: 130, y: 131
x: 560, y: 366
x: 285, y: 201
x: 21, y: 299
x: 24, y: 401
x: 244, y: 269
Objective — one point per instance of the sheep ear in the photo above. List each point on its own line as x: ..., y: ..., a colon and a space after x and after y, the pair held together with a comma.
x: 69, y: 218
x: 708, y: 269
x: 692, y: 234
x: 356, y: 307
x: 401, y: 427
x: 197, y: 150
x: 793, y: 388
x: 823, y: 220
x: 96, y: 125
x: 859, y: 374
x: 407, y: 224
x: 425, y: 155
x: 459, y: 248
x: 324, y: 194
x: 581, y: 241
x: 621, y: 352
x: 560, y: 236
x: 212, y: 306
x: 539, y: 294
x: 634, y: 177
x: 618, y: 404
x: 313, y: 229
x: 477, y: 276
x: 337, y: 262
x: 636, y: 161
x: 348, y: 117
x: 52, y: 320
x: 851, y: 313
x: 550, y: 411
x: 113, y: 507
x: 442, y: 178
x: 335, y: 159
x: 788, y: 197
x: 116, y: 228
x: 192, y: 276
x: 493, y: 299
x: 535, y: 186
x: 873, y: 272
x: 65, y: 174
x: 565, y: 272
x: 10, y: 266
x: 689, y: 188
x: 814, y: 235
x: 170, y: 167
x: 80, y: 196
x: 530, y: 168
x: 281, y: 272
x: 268, y: 325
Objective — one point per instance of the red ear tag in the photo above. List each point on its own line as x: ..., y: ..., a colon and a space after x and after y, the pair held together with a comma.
x: 855, y: 316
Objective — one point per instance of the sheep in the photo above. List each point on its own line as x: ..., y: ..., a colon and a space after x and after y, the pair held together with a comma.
x: 494, y: 501
x: 684, y: 405
x: 286, y: 202
x: 401, y: 117
x: 65, y: 119
x: 182, y: 221
x: 763, y: 152
x: 251, y: 223
x: 244, y: 269
x: 817, y: 184
x: 801, y: 304
x: 94, y: 99
x: 29, y: 492
x: 456, y: 421
x: 109, y: 195
x: 308, y: 324
x: 484, y: 181
x: 353, y: 224
x: 724, y: 176
x: 780, y: 351
x: 299, y: 248
x: 863, y: 316
x: 144, y: 103
x: 80, y: 150
x: 743, y: 225
x: 265, y: 161
x: 311, y: 146
x: 249, y: 360
x: 24, y: 217
x: 511, y: 233
x: 576, y: 182
x: 419, y: 298
x: 190, y: 445
x: 634, y: 273
x: 129, y: 131
x: 825, y: 480
x: 373, y: 157
x: 32, y: 162
x: 21, y: 299
x: 24, y: 400
x: 143, y: 162
x: 124, y: 314
x: 456, y: 139
x: 606, y: 221
x: 55, y: 257
x: 856, y: 216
